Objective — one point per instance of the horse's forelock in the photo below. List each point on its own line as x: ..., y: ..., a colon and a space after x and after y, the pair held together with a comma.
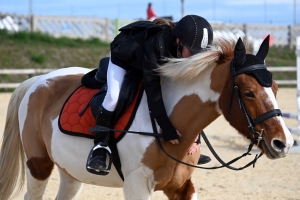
x: 187, y: 69
x: 227, y: 49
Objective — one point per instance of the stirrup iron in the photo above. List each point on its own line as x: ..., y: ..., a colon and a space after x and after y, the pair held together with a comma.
x: 108, y: 152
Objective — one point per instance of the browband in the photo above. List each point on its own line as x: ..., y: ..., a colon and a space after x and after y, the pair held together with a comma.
x: 249, y: 69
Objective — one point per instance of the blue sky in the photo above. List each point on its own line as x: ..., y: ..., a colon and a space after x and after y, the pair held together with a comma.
x: 229, y: 11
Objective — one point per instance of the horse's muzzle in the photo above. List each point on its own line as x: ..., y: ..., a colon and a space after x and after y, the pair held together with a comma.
x: 276, y: 149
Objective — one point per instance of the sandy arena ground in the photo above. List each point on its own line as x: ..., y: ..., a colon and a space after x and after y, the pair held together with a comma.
x: 270, y: 179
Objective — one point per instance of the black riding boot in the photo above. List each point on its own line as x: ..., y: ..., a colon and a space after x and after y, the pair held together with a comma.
x: 203, y: 159
x: 98, y: 159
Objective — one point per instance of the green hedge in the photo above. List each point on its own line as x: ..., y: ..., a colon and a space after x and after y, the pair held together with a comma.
x: 38, y: 50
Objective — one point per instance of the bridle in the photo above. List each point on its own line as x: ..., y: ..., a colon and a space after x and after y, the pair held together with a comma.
x: 250, y: 121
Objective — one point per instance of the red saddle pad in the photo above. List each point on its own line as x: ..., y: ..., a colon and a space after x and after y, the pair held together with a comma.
x: 72, y: 123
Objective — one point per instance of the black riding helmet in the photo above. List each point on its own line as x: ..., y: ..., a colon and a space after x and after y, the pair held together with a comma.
x: 194, y: 32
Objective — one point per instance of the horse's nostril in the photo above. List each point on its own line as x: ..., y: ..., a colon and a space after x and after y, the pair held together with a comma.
x: 278, y: 144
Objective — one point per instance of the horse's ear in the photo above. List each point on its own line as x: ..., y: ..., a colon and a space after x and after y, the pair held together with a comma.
x: 240, y: 52
x: 264, y: 48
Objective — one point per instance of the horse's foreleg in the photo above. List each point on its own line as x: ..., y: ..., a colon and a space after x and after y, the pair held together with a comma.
x: 69, y: 188
x: 35, y: 187
x: 185, y: 192
x: 138, y: 185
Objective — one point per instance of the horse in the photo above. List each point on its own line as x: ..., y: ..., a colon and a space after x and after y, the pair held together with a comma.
x: 195, y: 90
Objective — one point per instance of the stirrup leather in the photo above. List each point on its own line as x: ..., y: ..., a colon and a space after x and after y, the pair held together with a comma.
x: 108, y: 151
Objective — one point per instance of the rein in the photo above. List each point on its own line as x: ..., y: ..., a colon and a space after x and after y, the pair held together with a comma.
x: 157, y: 138
x: 250, y: 121
x: 212, y: 151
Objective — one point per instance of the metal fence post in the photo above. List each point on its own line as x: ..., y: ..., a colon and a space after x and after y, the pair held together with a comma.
x: 298, y: 83
x: 106, y: 29
x: 245, y: 29
x: 290, y: 39
x: 116, y: 27
x: 32, y: 23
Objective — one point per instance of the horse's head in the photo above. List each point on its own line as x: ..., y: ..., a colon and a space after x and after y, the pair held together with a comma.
x: 249, y: 102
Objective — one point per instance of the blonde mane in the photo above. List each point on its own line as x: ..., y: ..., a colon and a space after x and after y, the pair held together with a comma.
x: 186, y: 69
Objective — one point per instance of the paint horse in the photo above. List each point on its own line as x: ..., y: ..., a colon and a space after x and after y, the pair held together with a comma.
x: 196, y: 91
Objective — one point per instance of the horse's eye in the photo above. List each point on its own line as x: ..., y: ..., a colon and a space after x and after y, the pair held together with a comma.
x: 249, y: 94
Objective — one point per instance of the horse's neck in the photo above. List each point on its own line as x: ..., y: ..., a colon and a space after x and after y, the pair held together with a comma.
x: 191, y: 105
x: 174, y: 91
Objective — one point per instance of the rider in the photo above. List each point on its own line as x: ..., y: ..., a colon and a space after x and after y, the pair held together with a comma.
x: 191, y: 35
x: 150, y: 12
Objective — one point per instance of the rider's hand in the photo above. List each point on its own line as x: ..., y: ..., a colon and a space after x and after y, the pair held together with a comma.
x: 194, y: 148
x: 176, y: 141
x: 168, y: 131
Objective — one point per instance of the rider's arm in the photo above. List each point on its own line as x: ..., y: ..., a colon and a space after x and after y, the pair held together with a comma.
x: 153, y: 92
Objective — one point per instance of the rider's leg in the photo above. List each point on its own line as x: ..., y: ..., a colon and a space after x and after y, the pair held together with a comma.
x: 98, y: 159
x: 115, y: 77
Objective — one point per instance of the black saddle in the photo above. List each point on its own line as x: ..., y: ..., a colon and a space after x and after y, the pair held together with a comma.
x: 96, y: 78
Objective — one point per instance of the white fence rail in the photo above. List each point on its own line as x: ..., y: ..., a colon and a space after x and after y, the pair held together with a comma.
x: 31, y: 72
x: 25, y: 71
x: 284, y: 69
